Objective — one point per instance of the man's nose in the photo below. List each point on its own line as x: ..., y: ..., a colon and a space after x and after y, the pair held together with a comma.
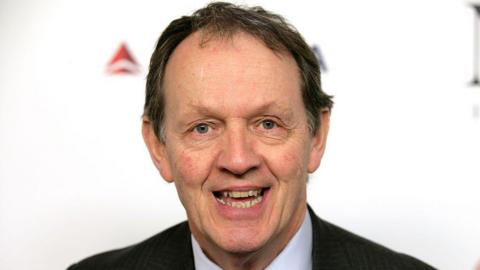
x: 238, y: 155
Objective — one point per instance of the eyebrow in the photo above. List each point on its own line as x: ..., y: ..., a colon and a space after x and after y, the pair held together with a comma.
x: 274, y: 107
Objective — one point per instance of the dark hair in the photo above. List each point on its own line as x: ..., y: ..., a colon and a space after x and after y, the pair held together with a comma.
x: 220, y: 19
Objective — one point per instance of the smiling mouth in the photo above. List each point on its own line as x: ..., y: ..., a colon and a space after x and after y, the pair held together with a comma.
x: 240, y: 199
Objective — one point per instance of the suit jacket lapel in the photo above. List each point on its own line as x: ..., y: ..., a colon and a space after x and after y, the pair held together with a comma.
x: 327, y: 253
x: 175, y: 252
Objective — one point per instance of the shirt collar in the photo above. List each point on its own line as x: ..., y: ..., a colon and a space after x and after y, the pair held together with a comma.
x: 296, y: 255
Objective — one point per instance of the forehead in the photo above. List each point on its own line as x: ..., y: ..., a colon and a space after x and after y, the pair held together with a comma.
x: 239, y: 67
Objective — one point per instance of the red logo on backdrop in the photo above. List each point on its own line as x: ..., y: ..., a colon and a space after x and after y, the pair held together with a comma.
x: 123, y: 62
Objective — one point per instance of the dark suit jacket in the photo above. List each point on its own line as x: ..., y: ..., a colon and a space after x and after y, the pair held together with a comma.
x: 333, y: 249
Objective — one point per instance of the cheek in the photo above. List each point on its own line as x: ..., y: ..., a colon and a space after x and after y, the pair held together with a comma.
x: 288, y: 163
x: 185, y: 166
x: 289, y: 157
x: 292, y: 165
x: 188, y: 179
x: 186, y: 174
x: 191, y: 169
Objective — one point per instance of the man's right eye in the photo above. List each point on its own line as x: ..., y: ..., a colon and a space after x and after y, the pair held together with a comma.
x: 201, y: 128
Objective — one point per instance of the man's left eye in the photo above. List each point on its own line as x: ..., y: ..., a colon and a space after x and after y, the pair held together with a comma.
x: 268, y: 124
x: 202, y: 128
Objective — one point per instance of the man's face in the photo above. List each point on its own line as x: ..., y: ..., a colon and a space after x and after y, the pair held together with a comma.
x: 237, y: 145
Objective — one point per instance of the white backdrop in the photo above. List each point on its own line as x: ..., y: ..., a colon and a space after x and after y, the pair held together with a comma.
x: 401, y: 167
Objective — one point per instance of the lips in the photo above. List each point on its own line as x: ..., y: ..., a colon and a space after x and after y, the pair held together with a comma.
x: 240, y: 198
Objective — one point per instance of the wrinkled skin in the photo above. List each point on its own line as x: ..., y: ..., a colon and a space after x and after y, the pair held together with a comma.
x: 235, y: 120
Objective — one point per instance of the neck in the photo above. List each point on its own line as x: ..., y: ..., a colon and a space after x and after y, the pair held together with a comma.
x: 258, y: 259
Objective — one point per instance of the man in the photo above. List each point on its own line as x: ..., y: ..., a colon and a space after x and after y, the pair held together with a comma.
x: 235, y: 117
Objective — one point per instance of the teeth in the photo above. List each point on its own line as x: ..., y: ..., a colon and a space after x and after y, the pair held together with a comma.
x: 242, y: 194
x: 245, y: 204
x: 255, y: 195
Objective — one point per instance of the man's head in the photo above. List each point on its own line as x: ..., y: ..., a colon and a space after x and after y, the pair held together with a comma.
x: 236, y: 118
x: 223, y: 20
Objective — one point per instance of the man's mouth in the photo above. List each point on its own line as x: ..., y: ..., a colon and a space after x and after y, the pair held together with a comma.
x: 240, y: 199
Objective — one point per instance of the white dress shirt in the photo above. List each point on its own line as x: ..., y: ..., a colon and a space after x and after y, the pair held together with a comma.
x: 296, y: 255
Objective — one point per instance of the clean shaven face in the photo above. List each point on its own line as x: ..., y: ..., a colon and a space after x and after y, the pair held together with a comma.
x: 237, y: 147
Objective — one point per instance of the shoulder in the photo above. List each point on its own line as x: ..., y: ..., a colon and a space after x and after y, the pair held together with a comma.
x: 169, y: 249
x: 337, y: 248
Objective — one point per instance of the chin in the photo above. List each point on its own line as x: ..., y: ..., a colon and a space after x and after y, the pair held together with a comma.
x: 242, y: 246
x: 242, y: 241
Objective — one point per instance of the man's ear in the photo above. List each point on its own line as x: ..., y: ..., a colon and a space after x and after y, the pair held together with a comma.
x: 157, y: 150
x: 319, y: 141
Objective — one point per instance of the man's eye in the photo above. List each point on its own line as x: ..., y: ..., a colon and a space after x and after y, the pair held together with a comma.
x: 268, y: 124
x: 202, y: 128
